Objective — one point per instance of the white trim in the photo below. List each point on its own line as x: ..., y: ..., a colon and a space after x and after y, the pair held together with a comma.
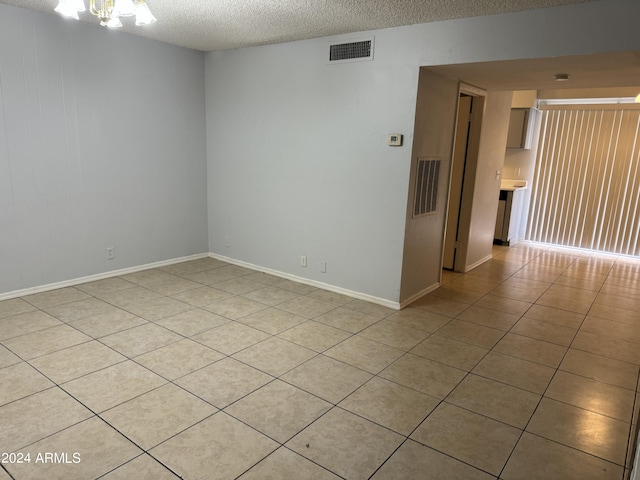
x: 468, y: 268
x: 636, y: 463
x: 114, y: 273
x: 419, y: 295
x: 98, y: 276
x: 325, y: 286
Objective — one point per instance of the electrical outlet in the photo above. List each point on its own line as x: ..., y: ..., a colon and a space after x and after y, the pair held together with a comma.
x: 111, y: 253
x: 303, y: 261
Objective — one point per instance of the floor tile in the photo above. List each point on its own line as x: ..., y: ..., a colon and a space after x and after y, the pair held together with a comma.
x: 346, y: 444
x: 547, y: 332
x: 219, y: 447
x: 7, y: 358
x: 270, y: 295
x: 515, y: 371
x: 105, y: 285
x: 139, y: 340
x: 314, y: 335
x: 99, y: 449
x: 179, y: 359
x: 441, y: 306
x: 278, y: 410
x: 521, y: 293
x: 272, y: 320
x: 28, y: 322
x: 390, y: 405
x: 364, y: 354
x: 604, y: 437
x: 413, y: 460
x: 489, y: 318
x: 199, y: 297
x: 143, y: 467
x: 450, y: 352
x: 112, y: 386
x: 329, y: 297
x: 602, y: 369
x: 612, y: 329
x: 608, y: 347
x: 462, y: 295
x: 129, y: 296
x: 347, y: 319
x: 617, y: 314
x: 193, y: 266
x: 55, y: 297
x: 424, y: 375
x: 108, y: 323
x: 275, y: 356
x: 230, y: 337
x: 536, y: 458
x: 467, y: 436
x: 157, y: 415
x: 555, y: 316
x: 394, y: 335
x: 78, y: 310
x: 527, y: 348
x: 76, y: 361
x: 327, y: 378
x: 50, y: 340
x: 369, y: 308
x: 471, y: 333
x: 598, y: 397
x: 21, y: 380
x: 296, y: 287
x: 283, y: 464
x: 506, y: 305
x: 192, y: 322
x: 307, y: 307
x: 419, y: 319
x: 496, y: 400
x: 224, y: 382
x: 568, y: 298
x: 16, y: 306
x: 235, y: 308
x: 158, y: 308
x: 37, y: 416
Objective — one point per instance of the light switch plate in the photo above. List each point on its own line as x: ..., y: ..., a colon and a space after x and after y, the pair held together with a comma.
x: 394, y: 139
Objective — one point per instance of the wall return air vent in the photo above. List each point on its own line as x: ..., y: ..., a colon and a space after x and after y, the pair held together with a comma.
x: 358, y: 51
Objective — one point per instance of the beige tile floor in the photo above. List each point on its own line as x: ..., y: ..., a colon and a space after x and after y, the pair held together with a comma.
x: 524, y: 368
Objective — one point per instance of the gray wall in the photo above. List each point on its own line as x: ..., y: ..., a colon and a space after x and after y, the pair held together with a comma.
x: 297, y: 159
x: 102, y: 144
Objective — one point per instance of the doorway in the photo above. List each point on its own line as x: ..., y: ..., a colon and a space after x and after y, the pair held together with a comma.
x: 463, y: 171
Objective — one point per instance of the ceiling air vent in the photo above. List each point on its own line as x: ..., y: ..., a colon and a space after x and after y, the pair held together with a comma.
x: 360, y: 51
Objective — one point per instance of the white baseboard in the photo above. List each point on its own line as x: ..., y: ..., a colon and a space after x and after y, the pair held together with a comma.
x: 419, y: 295
x: 635, y: 474
x: 468, y: 268
x: 98, y: 276
x: 114, y: 273
x: 325, y: 286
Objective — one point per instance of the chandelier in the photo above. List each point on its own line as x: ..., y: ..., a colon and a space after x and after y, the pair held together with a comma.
x: 110, y: 11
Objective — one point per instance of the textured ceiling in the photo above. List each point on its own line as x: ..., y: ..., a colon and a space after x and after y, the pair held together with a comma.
x: 223, y: 24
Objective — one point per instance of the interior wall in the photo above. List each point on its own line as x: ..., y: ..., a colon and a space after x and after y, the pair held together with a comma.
x: 297, y: 154
x: 102, y: 145
x: 486, y: 188
x: 436, y: 111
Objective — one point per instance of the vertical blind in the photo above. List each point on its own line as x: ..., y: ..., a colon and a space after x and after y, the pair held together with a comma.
x: 586, y: 190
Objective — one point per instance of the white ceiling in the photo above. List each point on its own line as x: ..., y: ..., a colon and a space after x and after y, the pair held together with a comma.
x: 222, y: 24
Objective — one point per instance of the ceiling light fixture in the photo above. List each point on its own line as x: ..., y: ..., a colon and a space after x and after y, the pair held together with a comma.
x: 109, y: 12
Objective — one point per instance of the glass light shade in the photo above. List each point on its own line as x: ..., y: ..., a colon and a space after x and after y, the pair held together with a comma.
x: 113, y: 22
x: 143, y: 14
x: 638, y: 98
x: 124, y: 8
x: 67, y: 9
